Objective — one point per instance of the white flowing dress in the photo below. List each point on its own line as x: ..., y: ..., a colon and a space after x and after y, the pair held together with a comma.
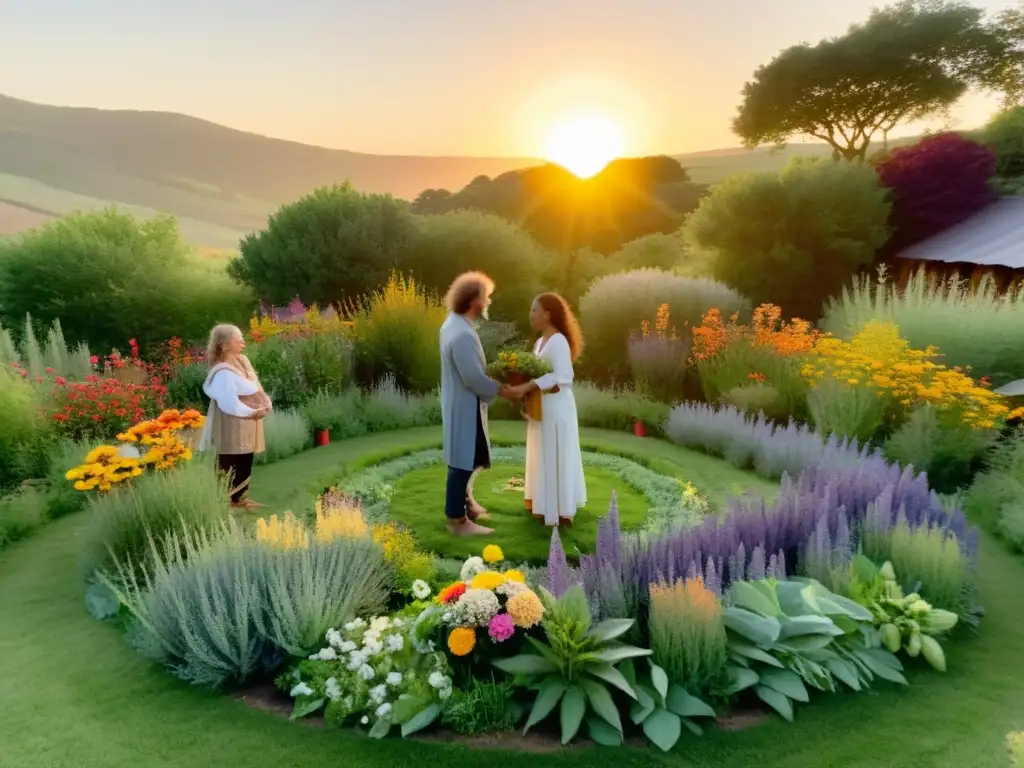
x: 554, y: 466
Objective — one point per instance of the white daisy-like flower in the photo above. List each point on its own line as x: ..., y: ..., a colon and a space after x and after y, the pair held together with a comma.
x: 380, y: 623
x: 420, y: 589
x: 366, y: 672
x: 334, y: 637
x: 471, y: 568
x: 383, y: 710
x: 444, y: 694
x: 365, y: 720
x: 378, y: 694
x: 395, y: 643
x: 332, y: 689
x: 302, y: 690
x: 437, y: 680
x: 394, y: 679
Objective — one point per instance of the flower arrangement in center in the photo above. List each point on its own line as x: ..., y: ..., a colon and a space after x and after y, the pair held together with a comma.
x: 515, y: 367
x: 487, y: 603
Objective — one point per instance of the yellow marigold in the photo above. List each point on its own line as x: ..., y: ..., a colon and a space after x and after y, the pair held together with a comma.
x: 493, y: 554
x: 516, y: 576
x: 461, y: 641
x: 525, y: 609
x: 488, y: 580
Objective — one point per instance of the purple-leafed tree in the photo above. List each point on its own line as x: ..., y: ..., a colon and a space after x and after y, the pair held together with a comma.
x: 935, y: 184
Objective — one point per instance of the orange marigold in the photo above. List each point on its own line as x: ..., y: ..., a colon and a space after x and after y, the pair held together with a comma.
x: 461, y: 641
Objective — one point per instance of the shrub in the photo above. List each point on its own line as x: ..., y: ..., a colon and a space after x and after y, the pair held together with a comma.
x: 62, y: 498
x: 793, y: 238
x: 617, y: 304
x: 994, y: 500
x: 386, y: 408
x: 286, y: 433
x: 1004, y: 135
x: 757, y: 398
x: 975, y: 328
x: 257, y: 602
x: 483, y: 707
x: 123, y: 522
x: 331, y: 247
x: 293, y: 368
x: 688, y: 634
x: 745, y: 441
x: 658, y: 359
x: 20, y: 514
x: 24, y: 436
x: 460, y: 241
x: 948, y: 455
x: 396, y: 333
x: 939, y: 182
x: 341, y: 413
x: 617, y: 409
x: 107, y: 276
x: 185, y: 387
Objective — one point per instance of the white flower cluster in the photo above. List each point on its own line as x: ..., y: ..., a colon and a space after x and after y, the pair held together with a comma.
x: 511, y: 588
x: 474, y: 566
x: 420, y: 589
x: 475, y: 608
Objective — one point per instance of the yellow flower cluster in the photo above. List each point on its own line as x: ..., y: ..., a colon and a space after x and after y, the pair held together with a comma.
x: 879, y: 359
x: 312, y: 322
x: 525, y: 608
x: 108, y: 465
x: 286, y: 532
x: 341, y: 519
x: 489, y: 580
x: 104, y: 468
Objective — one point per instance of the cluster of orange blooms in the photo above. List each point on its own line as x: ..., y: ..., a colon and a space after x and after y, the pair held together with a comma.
x: 661, y: 321
x: 109, y: 465
x: 768, y: 330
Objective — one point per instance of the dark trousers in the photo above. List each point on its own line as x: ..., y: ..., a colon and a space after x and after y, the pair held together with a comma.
x: 456, y: 497
x: 238, y: 468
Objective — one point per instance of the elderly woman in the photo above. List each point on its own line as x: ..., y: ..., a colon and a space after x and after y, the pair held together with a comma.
x: 238, y: 404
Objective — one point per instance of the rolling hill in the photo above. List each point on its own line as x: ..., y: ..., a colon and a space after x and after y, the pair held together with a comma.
x: 222, y: 182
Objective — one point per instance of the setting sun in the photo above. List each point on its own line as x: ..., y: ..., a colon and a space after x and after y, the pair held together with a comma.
x: 585, y: 145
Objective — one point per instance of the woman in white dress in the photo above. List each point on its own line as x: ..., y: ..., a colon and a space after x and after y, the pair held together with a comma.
x: 555, y: 487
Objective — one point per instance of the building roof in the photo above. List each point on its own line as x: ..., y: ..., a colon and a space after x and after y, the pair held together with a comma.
x: 993, y: 237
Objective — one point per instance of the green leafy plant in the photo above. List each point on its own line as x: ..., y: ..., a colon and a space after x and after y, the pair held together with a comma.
x: 517, y: 362
x: 662, y: 708
x: 485, y: 706
x: 576, y: 668
x: 904, y: 621
x: 786, y: 636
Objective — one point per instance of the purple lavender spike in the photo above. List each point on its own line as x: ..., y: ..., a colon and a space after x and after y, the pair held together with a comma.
x: 558, y: 568
x: 756, y: 571
x: 711, y: 578
x: 773, y: 568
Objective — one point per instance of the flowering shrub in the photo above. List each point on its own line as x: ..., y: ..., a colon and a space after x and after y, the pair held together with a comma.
x: 380, y: 673
x: 100, y: 407
x: 517, y: 364
x: 306, y: 321
x: 658, y: 358
x: 880, y: 378
x: 106, y: 466
x: 688, y: 633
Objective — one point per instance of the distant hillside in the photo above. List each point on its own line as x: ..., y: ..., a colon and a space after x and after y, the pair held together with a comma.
x: 222, y: 182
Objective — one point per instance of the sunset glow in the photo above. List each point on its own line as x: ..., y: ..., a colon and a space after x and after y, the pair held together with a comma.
x: 585, y: 145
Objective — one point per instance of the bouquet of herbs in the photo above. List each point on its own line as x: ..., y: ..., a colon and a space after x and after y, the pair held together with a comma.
x: 517, y: 367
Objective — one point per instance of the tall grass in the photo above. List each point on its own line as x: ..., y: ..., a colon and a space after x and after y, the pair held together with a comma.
x: 123, y: 521
x: 688, y: 634
x: 53, y: 354
x: 386, y: 407
x: 396, y: 333
x: 217, y: 606
x: 24, y: 433
x: 286, y: 433
x: 973, y: 327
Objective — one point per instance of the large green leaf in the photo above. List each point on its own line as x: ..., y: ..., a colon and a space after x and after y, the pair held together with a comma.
x: 660, y: 681
x: 881, y: 669
x: 768, y: 590
x: 612, y: 676
x: 610, y: 629
x: 786, y: 682
x: 381, y: 728
x: 753, y: 652
x: 692, y: 727
x: 802, y: 643
x: 845, y: 672
x: 791, y: 598
x: 407, y: 707
x: 548, y: 696
x: 863, y: 569
x: 663, y: 728
x: 306, y: 706
x: 620, y: 653
x: 544, y: 650
x: 526, y: 664
x: 642, y: 707
x: 602, y: 733
x: 777, y: 701
x: 756, y: 629
x: 808, y: 625
x: 574, y: 705
x: 740, y: 678
x: 686, y: 705
x: 421, y: 719
x: 837, y: 605
x: 745, y: 595
x: 601, y: 702
x: 574, y: 604
x: 628, y: 670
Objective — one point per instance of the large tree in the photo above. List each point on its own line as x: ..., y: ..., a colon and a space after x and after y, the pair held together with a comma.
x: 332, y: 246
x: 906, y: 62
x: 793, y: 238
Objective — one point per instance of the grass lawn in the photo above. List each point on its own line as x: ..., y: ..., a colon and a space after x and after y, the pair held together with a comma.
x: 75, y: 694
x: 521, y: 536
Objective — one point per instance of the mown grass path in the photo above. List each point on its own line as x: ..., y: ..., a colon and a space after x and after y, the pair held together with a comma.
x: 74, y: 695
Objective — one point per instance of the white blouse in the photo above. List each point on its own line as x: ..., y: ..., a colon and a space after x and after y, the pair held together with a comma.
x: 225, y: 388
x: 556, y: 351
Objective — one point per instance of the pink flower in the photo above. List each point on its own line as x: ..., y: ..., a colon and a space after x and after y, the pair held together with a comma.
x: 501, y: 628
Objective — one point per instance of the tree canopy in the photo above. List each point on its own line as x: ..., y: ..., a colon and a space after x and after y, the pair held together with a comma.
x: 793, y: 238
x: 630, y: 198
x: 332, y: 246
x: 1004, y: 135
x: 906, y: 62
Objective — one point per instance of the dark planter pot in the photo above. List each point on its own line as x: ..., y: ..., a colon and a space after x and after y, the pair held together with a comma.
x: 322, y: 437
